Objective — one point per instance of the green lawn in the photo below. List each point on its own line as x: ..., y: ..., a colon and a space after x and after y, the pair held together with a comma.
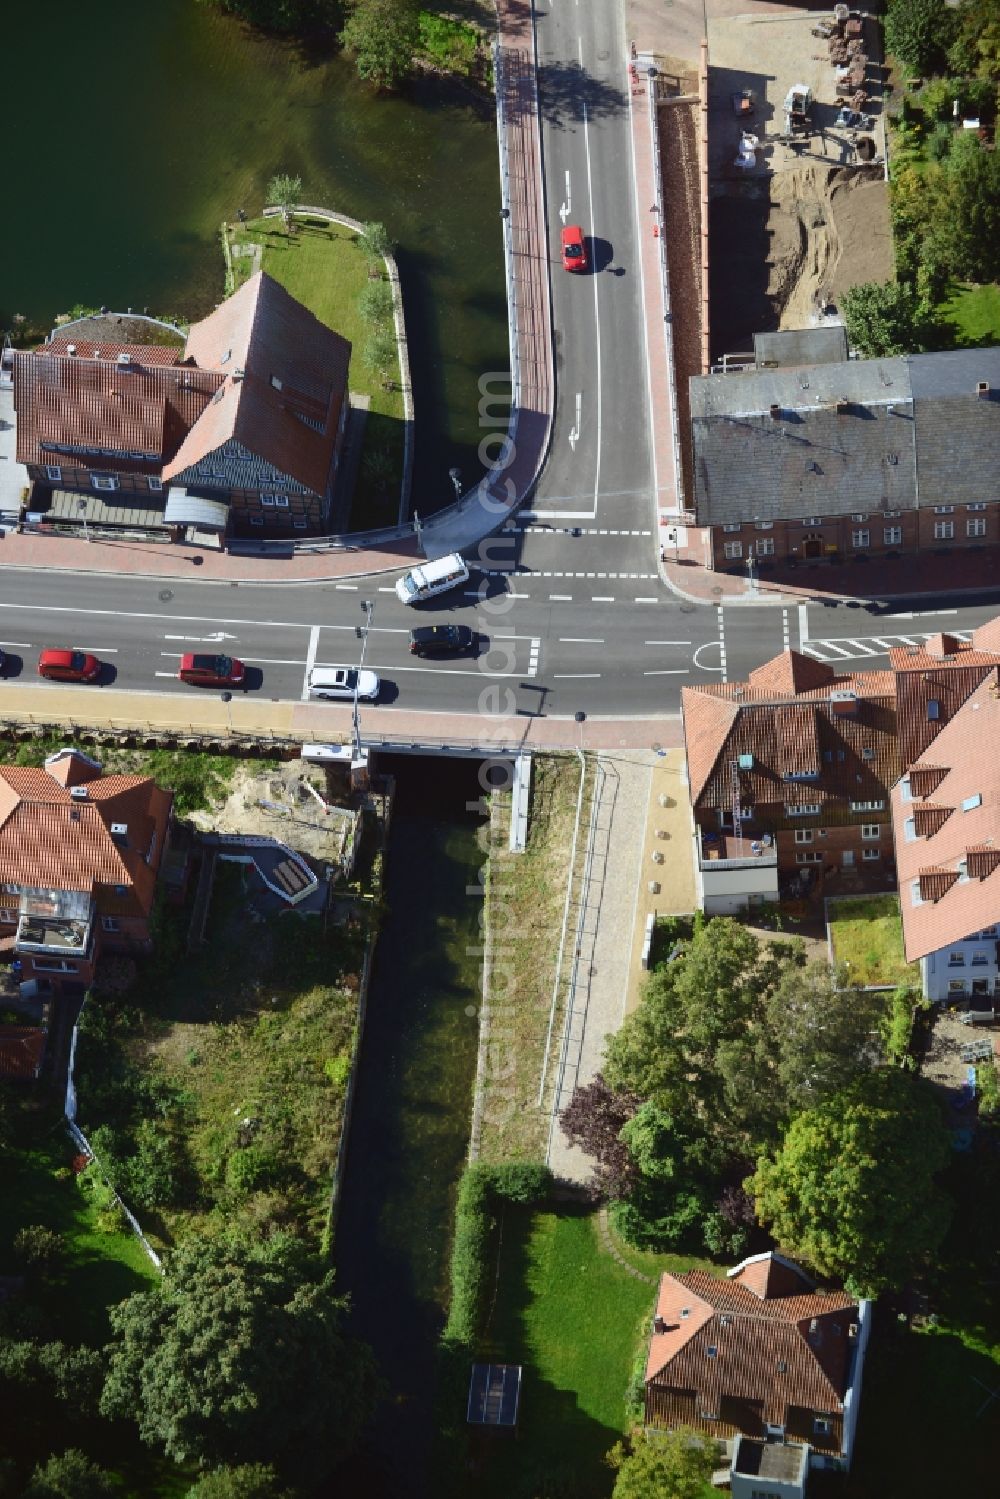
x: 101, y: 1268
x: 575, y: 1320
x: 971, y: 314
x: 867, y: 936
x: 322, y: 265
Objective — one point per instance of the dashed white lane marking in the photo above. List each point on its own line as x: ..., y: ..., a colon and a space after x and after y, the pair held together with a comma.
x: 570, y: 530
x: 575, y: 676
x: 560, y: 598
x: 347, y: 587
x: 803, y: 626
x: 784, y: 629
x: 383, y: 589
x: 669, y: 671
x: 646, y: 599
x: 666, y: 642
x: 536, y: 646
x: 603, y: 598
x: 506, y: 572
x: 579, y: 640
x: 722, y: 642
x: 313, y: 647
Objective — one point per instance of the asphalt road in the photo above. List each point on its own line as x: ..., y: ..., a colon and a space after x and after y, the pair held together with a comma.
x: 572, y: 616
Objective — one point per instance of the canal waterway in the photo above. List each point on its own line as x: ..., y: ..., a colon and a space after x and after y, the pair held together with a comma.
x: 131, y: 131
x: 410, y: 1128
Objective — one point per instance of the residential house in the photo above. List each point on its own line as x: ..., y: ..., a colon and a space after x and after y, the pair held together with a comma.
x: 789, y: 775
x: 847, y: 459
x: 241, y: 431
x: 946, y: 821
x: 764, y: 1362
x: 933, y: 681
x: 22, y: 1048
x: 79, y: 857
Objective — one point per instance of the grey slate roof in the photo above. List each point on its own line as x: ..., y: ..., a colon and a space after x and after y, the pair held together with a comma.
x: 957, y: 431
x: 858, y: 436
x: 842, y: 442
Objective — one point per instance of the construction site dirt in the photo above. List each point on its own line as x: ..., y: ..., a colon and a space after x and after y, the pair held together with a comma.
x: 796, y: 215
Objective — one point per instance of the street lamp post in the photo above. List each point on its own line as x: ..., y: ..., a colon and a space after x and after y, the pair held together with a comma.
x: 81, y: 506
x: 751, y: 576
x: 455, y: 475
x: 227, y: 698
x: 362, y: 633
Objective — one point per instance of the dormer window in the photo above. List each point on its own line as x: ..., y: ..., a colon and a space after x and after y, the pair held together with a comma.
x: 933, y: 710
x: 802, y: 775
x: 711, y: 1351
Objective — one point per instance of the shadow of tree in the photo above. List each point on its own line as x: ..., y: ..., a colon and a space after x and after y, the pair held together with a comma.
x: 568, y: 94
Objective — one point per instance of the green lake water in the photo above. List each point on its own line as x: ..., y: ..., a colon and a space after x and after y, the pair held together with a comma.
x: 133, y: 128
x: 410, y: 1130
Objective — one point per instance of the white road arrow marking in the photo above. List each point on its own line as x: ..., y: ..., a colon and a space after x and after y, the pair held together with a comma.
x: 574, y: 434
x: 218, y: 636
x: 566, y: 208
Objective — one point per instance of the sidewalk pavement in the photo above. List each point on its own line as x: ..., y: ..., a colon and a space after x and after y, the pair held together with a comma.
x: 612, y: 945
x: 195, y: 715
x: 669, y: 832
x: 966, y: 570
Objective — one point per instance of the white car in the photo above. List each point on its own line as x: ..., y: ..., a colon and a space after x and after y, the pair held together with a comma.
x: 343, y: 682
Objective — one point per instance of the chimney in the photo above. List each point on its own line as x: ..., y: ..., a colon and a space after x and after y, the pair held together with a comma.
x: 119, y: 832
x: 123, y: 358
x: 844, y: 704
x: 843, y: 405
x: 983, y: 390
x: 659, y: 1324
x: 79, y: 793
x: 775, y: 411
x: 71, y: 350
x: 238, y: 374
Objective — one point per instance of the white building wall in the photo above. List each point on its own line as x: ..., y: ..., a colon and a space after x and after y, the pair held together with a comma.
x: 727, y: 889
x: 949, y: 973
x: 852, y: 1398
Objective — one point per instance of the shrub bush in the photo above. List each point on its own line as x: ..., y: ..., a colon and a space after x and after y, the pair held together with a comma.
x: 479, y: 1190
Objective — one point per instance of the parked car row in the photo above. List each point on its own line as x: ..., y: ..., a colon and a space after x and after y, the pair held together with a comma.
x: 202, y: 670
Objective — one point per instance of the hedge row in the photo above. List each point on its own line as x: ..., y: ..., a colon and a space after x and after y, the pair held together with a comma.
x: 482, y: 1187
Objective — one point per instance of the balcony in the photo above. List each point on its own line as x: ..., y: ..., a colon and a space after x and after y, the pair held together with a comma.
x: 729, y: 851
x: 52, y: 935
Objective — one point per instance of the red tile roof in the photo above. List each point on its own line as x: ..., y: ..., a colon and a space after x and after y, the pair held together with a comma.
x: 945, y: 671
x: 132, y: 418
x: 21, y: 1050
x: 965, y: 770
x: 50, y: 839
x: 285, y: 375
x: 852, y: 745
x: 278, y: 377
x: 777, y: 1342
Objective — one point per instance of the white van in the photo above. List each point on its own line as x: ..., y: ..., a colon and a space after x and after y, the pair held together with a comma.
x: 431, y: 578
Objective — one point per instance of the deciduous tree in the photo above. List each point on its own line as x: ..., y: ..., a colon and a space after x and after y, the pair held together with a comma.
x: 882, y: 319
x: 853, y: 1189
x: 593, y: 1120
x: 664, y: 1465
x: 383, y: 36
x: 919, y: 32
x: 252, y: 1481
x: 284, y: 192
x: 239, y: 1352
x: 70, y: 1475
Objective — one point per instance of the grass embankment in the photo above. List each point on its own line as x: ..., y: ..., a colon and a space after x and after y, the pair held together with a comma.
x: 971, y: 315
x: 221, y: 1078
x: 576, y: 1321
x: 867, y: 937
x: 324, y: 267
x: 195, y: 779
x: 527, y: 895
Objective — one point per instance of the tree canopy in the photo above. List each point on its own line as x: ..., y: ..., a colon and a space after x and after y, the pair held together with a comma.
x: 284, y: 192
x: 251, y: 1481
x: 383, y: 35
x: 664, y: 1465
x: 239, y: 1354
x: 882, y: 319
x: 853, y: 1188
x: 70, y: 1475
x: 919, y: 32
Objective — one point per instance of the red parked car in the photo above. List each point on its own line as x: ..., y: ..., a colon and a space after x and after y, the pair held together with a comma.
x: 69, y: 666
x: 574, y: 249
x: 212, y: 671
